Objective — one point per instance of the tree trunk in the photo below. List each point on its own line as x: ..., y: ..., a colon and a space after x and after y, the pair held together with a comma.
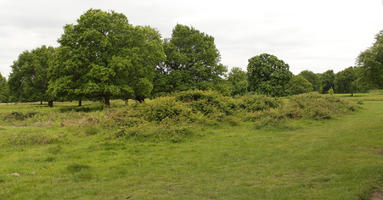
x: 127, y: 102
x: 107, y: 100
x: 140, y: 99
x: 41, y: 102
x: 50, y: 103
x: 79, y: 103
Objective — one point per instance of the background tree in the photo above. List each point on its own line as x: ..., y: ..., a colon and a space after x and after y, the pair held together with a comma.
x: 299, y: 85
x: 238, y: 81
x: 268, y: 75
x: 28, y: 80
x: 4, y: 90
x: 327, y: 81
x: 371, y: 61
x: 312, y: 78
x: 192, y: 62
x: 103, y: 56
x: 346, y: 81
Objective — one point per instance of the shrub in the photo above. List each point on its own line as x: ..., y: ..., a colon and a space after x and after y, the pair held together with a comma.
x: 331, y: 91
x: 254, y: 103
x: 195, y: 95
x: 209, y: 103
x: 163, y: 108
x: 317, y: 107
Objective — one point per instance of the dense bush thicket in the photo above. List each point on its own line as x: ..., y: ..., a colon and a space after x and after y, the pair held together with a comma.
x: 176, y: 117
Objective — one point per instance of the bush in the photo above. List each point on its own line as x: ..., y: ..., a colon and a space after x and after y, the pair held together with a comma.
x: 254, y: 103
x: 163, y: 108
x: 209, y: 103
x: 331, y: 91
x: 317, y: 107
x: 170, y: 118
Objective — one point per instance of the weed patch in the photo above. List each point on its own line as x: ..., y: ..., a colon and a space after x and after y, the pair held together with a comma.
x: 19, y: 116
x: 32, y: 139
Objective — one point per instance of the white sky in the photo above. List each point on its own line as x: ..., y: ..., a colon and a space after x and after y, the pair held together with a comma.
x: 316, y: 35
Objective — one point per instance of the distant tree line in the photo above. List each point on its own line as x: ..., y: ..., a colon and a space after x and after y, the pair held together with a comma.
x: 104, y: 57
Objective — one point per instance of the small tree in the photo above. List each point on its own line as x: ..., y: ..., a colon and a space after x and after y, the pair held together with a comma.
x: 268, y: 75
x: 299, y: 85
x: 238, y: 81
x: 331, y: 91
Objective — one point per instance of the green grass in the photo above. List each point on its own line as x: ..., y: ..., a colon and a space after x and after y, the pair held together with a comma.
x: 341, y: 158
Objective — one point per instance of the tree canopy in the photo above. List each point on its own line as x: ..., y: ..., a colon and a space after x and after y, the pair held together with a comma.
x: 238, y: 81
x: 371, y: 61
x: 28, y: 80
x: 299, y: 85
x: 327, y: 81
x: 313, y: 78
x: 4, y: 91
x: 192, y: 61
x: 346, y: 81
x: 103, y: 56
x: 268, y: 75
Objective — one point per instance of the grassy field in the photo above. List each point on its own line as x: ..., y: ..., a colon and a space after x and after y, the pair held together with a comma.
x: 341, y: 158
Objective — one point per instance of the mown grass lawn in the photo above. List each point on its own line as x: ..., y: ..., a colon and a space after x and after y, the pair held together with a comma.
x: 335, y: 159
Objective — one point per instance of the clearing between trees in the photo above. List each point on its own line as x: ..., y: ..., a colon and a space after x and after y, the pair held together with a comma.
x: 206, y: 147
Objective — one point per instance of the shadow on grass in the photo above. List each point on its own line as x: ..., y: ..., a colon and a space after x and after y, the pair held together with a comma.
x: 81, y: 109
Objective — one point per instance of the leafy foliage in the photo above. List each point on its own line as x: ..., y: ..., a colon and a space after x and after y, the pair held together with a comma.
x: 4, y: 90
x: 313, y: 78
x: 28, y: 80
x: 315, y: 106
x: 371, y: 61
x: 327, y: 81
x: 346, y: 81
x: 238, y: 81
x: 103, y: 56
x: 192, y: 62
x: 299, y: 85
x: 268, y: 75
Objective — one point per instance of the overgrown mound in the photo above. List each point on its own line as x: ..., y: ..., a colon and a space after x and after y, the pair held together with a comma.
x: 174, y: 115
x: 178, y: 116
x: 315, y: 106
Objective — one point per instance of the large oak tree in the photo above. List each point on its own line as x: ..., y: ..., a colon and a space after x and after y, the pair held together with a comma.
x: 103, y: 56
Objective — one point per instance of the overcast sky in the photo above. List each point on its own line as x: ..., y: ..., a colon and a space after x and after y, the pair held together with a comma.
x: 316, y: 35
